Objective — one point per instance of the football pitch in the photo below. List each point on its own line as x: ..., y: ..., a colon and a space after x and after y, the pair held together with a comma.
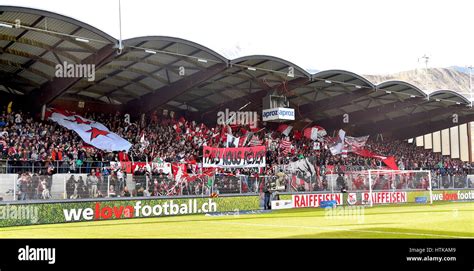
x: 446, y: 220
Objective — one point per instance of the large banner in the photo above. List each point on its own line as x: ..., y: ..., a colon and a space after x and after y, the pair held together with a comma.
x: 73, y: 211
x: 302, y: 166
x: 453, y: 195
x: 92, y: 132
x: 244, y: 157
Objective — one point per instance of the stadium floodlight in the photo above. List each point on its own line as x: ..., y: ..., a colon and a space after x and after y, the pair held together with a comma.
x: 327, y: 81
x: 202, y: 60
x: 426, y: 59
x: 150, y: 51
x: 251, y: 69
x: 6, y: 25
x: 82, y: 40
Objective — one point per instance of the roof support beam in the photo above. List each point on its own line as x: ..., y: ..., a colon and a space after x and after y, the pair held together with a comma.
x: 334, y: 102
x: 36, y: 22
x: 163, y: 95
x: 57, y: 86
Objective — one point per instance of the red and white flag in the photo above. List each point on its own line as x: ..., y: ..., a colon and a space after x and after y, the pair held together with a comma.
x: 92, y: 132
x: 255, y: 141
x: 285, y: 145
x: 336, y: 147
x: 232, y: 141
x: 355, y: 143
x: 285, y: 129
x: 314, y: 132
x: 177, y: 129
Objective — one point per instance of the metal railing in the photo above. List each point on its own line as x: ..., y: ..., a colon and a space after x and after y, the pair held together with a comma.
x: 86, y: 186
x: 41, y: 167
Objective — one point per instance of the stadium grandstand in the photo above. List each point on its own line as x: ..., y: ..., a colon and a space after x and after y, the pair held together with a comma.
x: 163, y: 95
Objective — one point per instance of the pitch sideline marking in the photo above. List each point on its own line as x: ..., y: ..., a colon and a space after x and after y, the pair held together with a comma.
x: 337, y: 228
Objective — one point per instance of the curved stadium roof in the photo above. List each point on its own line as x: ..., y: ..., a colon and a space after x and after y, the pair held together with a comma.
x: 165, y: 72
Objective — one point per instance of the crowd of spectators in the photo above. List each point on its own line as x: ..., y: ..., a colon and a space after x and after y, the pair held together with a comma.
x: 29, y: 144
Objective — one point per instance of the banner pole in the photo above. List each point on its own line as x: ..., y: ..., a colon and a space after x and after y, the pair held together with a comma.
x: 431, y: 189
x: 370, y: 188
x: 14, y: 187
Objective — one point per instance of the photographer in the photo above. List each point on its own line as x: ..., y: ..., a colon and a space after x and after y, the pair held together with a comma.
x: 267, y: 194
x: 92, y: 182
x: 280, y: 181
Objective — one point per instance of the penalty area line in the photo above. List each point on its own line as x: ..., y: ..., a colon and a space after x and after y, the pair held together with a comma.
x: 336, y: 228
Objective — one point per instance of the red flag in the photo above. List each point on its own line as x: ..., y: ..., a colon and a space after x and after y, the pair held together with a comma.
x: 297, y: 135
x: 390, y: 162
x: 242, y: 140
x: 365, y: 153
x: 282, y: 128
x: 175, y: 167
x: 311, y: 133
x: 181, y: 120
x: 233, y: 127
x: 178, y: 130
x: 223, y: 135
x: 123, y: 157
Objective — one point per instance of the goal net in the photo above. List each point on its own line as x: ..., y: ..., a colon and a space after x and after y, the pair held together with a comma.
x: 373, y: 187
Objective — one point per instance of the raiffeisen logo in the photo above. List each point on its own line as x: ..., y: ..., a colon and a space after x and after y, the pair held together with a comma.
x: 139, y: 210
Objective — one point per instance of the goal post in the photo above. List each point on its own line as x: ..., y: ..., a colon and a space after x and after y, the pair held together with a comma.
x: 383, y: 186
x: 398, y: 181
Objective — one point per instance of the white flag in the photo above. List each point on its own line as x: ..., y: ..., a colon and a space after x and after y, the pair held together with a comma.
x: 355, y: 143
x: 232, y: 141
x: 287, y: 130
x: 339, y: 145
x: 91, y: 132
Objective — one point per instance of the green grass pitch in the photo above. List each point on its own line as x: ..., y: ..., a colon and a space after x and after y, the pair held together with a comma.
x: 446, y: 220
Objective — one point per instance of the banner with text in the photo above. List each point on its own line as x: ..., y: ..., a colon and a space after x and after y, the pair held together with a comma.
x: 234, y: 157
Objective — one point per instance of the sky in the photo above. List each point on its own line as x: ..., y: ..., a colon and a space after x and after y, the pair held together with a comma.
x: 363, y: 36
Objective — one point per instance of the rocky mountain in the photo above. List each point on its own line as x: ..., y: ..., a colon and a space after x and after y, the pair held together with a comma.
x: 430, y: 79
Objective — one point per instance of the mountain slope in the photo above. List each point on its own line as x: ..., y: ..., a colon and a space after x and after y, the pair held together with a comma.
x: 429, y: 80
